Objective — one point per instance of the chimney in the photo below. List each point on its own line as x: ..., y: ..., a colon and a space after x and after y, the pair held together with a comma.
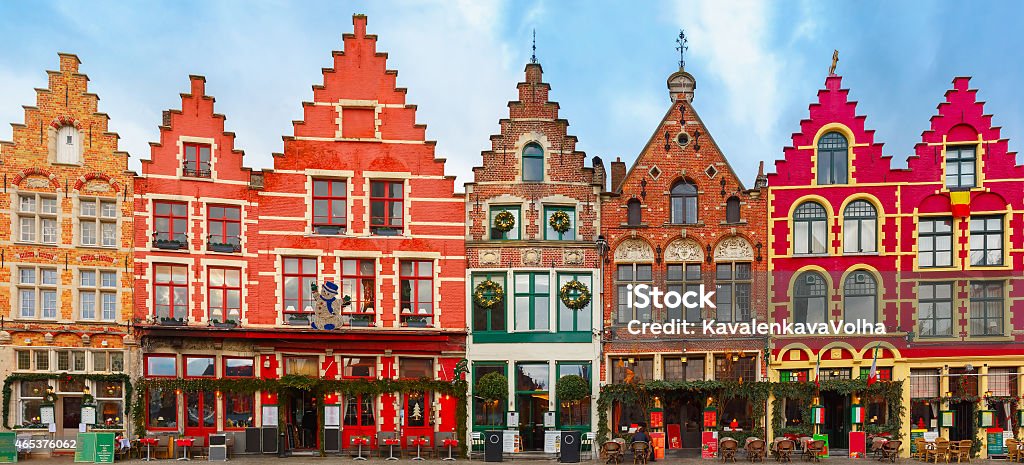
x: 599, y: 174
x: 761, y: 181
x: 618, y: 174
x: 167, y: 119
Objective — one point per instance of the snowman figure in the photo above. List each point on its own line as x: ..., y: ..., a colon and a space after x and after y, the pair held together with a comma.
x: 327, y: 307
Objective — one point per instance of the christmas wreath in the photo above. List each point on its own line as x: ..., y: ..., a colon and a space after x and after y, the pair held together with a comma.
x: 504, y: 221
x: 560, y: 222
x: 488, y: 294
x: 574, y: 294
x: 50, y: 398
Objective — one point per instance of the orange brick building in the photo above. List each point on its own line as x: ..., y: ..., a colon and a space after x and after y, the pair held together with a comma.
x: 680, y: 218
x: 66, y: 254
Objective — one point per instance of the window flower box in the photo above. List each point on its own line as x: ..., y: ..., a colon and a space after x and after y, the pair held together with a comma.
x: 164, y: 321
x: 416, y: 322
x: 328, y: 230
x: 169, y: 244
x: 224, y: 247
x: 297, y: 320
x: 224, y: 324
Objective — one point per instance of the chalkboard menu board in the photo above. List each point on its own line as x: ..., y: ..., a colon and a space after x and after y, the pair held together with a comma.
x: 8, y: 451
x: 995, y: 442
x: 914, y: 434
x: 86, y: 448
x: 105, y: 444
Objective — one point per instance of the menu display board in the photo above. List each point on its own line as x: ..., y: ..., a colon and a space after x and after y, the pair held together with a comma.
x: 708, y: 444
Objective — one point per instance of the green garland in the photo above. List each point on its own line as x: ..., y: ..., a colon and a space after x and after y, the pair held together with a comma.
x: 318, y: 387
x: 488, y: 294
x: 560, y: 222
x: 504, y: 221
x: 582, y: 297
x: 9, y: 382
x: 804, y: 392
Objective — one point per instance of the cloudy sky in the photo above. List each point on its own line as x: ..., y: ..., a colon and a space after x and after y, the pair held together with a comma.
x: 757, y: 64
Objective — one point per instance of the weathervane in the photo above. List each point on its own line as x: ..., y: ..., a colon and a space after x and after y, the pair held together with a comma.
x: 682, y: 48
x: 835, y: 61
x: 533, y: 57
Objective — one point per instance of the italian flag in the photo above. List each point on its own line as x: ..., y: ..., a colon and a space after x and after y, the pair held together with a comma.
x: 873, y: 373
x: 819, y: 415
x: 858, y: 414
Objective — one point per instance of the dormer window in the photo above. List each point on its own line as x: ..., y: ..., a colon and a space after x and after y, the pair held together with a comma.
x: 960, y: 167
x: 68, y: 145
x: 533, y: 163
x: 197, y: 160
x: 833, y: 149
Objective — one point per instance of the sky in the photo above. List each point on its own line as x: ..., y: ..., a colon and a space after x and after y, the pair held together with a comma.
x: 758, y: 64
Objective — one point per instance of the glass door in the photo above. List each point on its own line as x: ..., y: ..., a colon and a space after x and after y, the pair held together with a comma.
x: 417, y: 421
x: 71, y: 415
x: 532, y: 401
x: 200, y: 414
x: 358, y: 418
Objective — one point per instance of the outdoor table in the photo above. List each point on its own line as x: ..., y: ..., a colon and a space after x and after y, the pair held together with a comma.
x: 360, y: 442
x: 185, y: 444
x: 149, y: 442
x: 391, y: 443
x: 449, y: 443
x: 419, y: 443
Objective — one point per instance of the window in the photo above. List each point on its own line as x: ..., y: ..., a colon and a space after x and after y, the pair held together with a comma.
x: 108, y: 361
x: 683, y: 203
x: 417, y: 292
x: 860, y: 297
x: 1002, y: 382
x: 386, y: 210
x: 170, y: 289
x: 532, y: 305
x: 299, y: 275
x: 37, y: 293
x: 836, y: 373
x: 634, y: 213
x: 549, y: 231
x: 68, y: 145
x: 302, y: 366
x: 512, y: 234
x: 416, y: 368
x: 97, y: 295
x: 860, y: 227
x: 42, y: 360
x: 359, y: 410
x: 935, y: 243
x: 924, y: 383
x: 238, y: 410
x: 935, y: 307
x: 884, y: 373
x: 810, y: 231
x: 832, y: 153
x: 987, y: 308
x: 487, y: 413
x: 533, y: 163
x: 635, y: 274
x: 682, y: 368
x: 960, y: 167
x: 239, y: 367
x: 359, y: 283
x: 574, y: 414
x: 197, y: 160
x: 31, y: 398
x: 170, y: 220
x: 70, y: 361
x: 569, y: 319
x: 732, y: 210
x: 793, y: 376
x: 37, y: 219
x: 682, y: 278
x: 493, y: 318
x: 810, y: 298
x: 116, y: 362
x: 161, y: 409
x: 225, y: 227
x: 97, y: 222
x: 24, y: 359
x: 632, y: 370
x: 225, y: 291
x: 359, y: 367
x: 986, y: 241
x: 200, y: 409
x: 416, y: 406
x: 330, y: 206
x: 200, y: 367
x: 733, y: 367
x: 732, y: 281
x: 161, y: 366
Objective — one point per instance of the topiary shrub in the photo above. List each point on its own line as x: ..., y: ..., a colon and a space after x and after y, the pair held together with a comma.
x: 491, y: 387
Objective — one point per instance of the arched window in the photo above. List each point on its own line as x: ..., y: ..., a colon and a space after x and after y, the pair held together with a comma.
x: 860, y: 227
x: 832, y: 153
x: 67, y: 145
x: 809, y: 298
x: 533, y: 163
x: 860, y: 292
x: 810, y: 231
x: 683, y: 201
x: 634, y: 216
x: 732, y: 210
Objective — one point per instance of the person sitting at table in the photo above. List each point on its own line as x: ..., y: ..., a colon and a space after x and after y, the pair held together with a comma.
x: 641, y: 436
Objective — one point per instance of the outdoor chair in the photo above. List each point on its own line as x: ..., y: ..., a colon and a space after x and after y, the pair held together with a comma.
x: 963, y: 451
x: 727, y: 449
x: 441, y: 450
x: 640, y: 451
x: 940, y: 451
x: 814, y: 449
x: 891, y: 450
x: 876, y: 446
x: 755, y: 450
x: 164, y: 448
x: 612, y: 451
x: 1012, y: 449
x: 784, y: 450
x: 920, y: 446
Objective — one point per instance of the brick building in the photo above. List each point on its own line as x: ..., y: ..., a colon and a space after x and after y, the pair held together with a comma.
x: 532, y: 229
x: 927, y: 252
x: 66, y: 238
x: 356, y: 200
x: 680, y: 218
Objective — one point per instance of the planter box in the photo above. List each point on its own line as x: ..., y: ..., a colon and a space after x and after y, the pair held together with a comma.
x: 328, y: 230
x: 224, y: 248
x: 386, y: 231
x: 173, y: 323
x: 225, y: 324
x: 298, y: 321
x: 360, y: 323
x: 169, y: 245
x: 416, y: 323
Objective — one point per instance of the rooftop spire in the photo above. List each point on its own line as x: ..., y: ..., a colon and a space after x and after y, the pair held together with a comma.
x: 681, y: 47
x: 533, y: 57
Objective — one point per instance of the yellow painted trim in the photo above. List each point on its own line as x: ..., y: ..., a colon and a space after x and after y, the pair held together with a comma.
x: 955, y: 245
x: 838, y: 344
x: 829, y: 217
x: 879, y: 221
x: 864, y: 353
x: 828, y: 289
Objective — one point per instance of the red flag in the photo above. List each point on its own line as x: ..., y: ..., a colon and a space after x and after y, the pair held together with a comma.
x: 873, y: 373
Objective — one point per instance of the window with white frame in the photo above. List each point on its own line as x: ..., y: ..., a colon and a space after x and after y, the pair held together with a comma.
x: 37, y: 293
x: 70, y: 360
x: 97, y: 222
x: 37, y: 219
x: 97, y: 295
x: 31, y: 395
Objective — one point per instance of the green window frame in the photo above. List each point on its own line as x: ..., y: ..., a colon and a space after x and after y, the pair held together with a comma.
x: 584, y: 409
x: 533, y: 163
x: 490, y: 319
x: 532, y: 301
x: 512, y: 234
x: 935, y: 242
x: 793, y: 376
x: 570, y: 320
x: 552, y: 235
x: 935, y: 309
x: 479, y: 370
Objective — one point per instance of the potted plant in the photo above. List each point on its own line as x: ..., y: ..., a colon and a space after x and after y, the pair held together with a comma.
x: 573, y: 389
x: 298, y: 319
x: 362, y: 320
x: 492, y: 388
x: 170, y: 321
x: 416, y: 321
x: 386, y: 231
x: 328, y: 230
x: 224, y: 324
x: 167, y: 242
